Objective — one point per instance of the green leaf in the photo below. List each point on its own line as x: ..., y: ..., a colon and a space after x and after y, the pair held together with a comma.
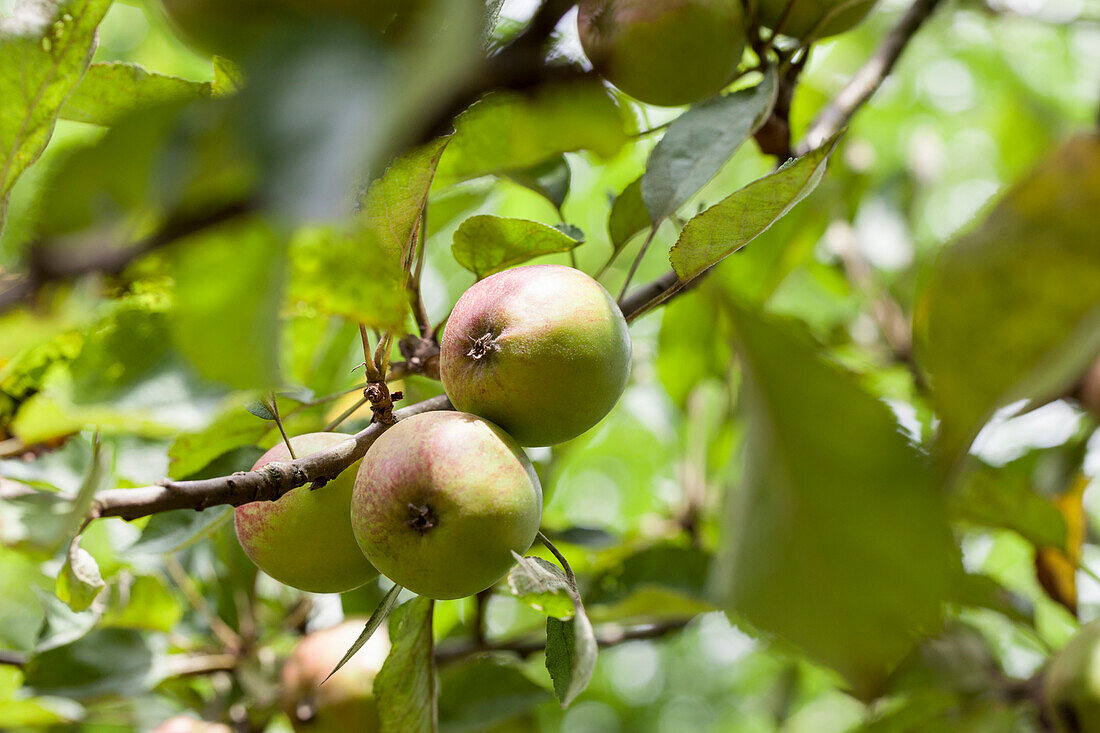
x: 79, y: 582
x: 1003, y: 497
x: 628, y: 216
x: 663, y: 566
x: 45, y: 46
x: 105, y: 662
x: 19, y: 605
x: 392, y: 204
x: 699, y: 142
x: 229, y: 288
x: 477, y: 694
x: 348, y: 273
x: 838, y: 540
x: 542, y: 586
x: 487, y: 244
x: 145, y: 602
x: 507, y: 131
x: 549, y: 179
x: 376, y: 618
x: 571, y: 652
x: 737, y: 219
x: 233, y: 428
x: 405, y: 686
x: 228, y: 77
x: 111, y: 89
x: 1013, y: 307
x: 170, y: 532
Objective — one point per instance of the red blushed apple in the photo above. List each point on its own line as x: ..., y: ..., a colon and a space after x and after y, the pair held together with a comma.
x: 304, y: 539
x: 441, y: 502
x: 543, y: 351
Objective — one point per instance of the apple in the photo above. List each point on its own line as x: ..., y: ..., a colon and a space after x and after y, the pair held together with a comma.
x: 835, y: 16
x: 441, y: 502
x: 346, y: 701
x: 187, y: 724
x: 1071, y: 683
x: 304, y: 539
x: 663, y: 52
x: 542, y: 351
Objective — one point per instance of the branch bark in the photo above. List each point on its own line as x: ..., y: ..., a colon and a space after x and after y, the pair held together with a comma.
x: 267, y: 484
x: 836, y: 115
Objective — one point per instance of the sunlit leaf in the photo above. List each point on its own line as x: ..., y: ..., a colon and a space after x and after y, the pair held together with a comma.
x: 479, y: 693
x: 734, y: 221
x: 110, y: 89
x: 79, y: 582
x: 542, y: 586
x: 508, y: 130
x: 487, y: 244
x: 45, y: 46
x: 549, y: 179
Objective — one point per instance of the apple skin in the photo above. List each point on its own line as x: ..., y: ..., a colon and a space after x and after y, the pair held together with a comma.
x: 1071, y: 683
x: 346, y: 701
x: 441, y: 501
x: 554, y: 354
x: 843, y: 15
x: 304, y: 539
x: 187, y: 724
x: 663, y: 52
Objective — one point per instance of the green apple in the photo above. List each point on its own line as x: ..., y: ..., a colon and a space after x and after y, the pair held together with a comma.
x: 542, y: 351
x: 834, y: 16
x: 304, y: 539
x: 663, y: 52
x: 441, y: 502
x: 1071, y: 683
x: 346, y: 701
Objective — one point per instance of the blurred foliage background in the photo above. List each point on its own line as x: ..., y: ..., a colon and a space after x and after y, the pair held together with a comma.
x: 984, y: 92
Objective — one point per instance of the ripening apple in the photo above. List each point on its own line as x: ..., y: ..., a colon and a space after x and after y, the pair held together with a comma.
x: 834, y: 16
x: 663, y: 52
x: 441, y: 501
x: 187, y: 724
x: 1071, y: 683
x: 346, y: 701
x: 543, y: 351
x: 304, y: 539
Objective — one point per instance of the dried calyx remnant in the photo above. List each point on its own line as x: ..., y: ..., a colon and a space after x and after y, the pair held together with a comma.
x: 483, y: 345
x: 422, y: 518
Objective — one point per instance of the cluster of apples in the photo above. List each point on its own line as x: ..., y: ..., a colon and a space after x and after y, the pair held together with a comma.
x: 531, y: 356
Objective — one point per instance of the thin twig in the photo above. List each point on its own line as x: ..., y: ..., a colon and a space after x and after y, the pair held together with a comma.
x: 279, y: 424
x: 229, y: 638
x: 836, y: 115
x: 561, y: 558
x: 266, y: 484
x: 638, y: 260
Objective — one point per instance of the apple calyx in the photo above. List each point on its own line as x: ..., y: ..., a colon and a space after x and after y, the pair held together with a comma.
x: 483, y: 345
x: 422, y: 518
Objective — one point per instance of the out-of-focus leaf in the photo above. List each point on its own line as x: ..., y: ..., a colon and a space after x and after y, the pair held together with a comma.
x: 835, y: 509
x: 487, y: 244
x: 683, y: 570
x: 228, y: 77
x: 508, y: 130
x: 628, y: 216
x: 982, y: 591
x: 1012, y: 307
x: 63, y: 470
x: 38, y: 713
x: 380, y: 613
x: 107, y: 661
x: 19, y: 605
x: 111, y: 89
x: 549, y: 179
x: 734, y: 221
x: 229, y: 288
x: 691, y: 346
x: 392, y: 204
x: 1056, y: 567
x: 45, y: 46
x: 699, y: 142
x: 79, y: 582
x: 542, y: 586
x: 1003, y: 497
x: 144, y: 603
x: 405, y: 686
x: 60, y: 624
x: 233, y: 428
x: 482, y: 692
x: 126, y: 377
x: 349, y: 274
